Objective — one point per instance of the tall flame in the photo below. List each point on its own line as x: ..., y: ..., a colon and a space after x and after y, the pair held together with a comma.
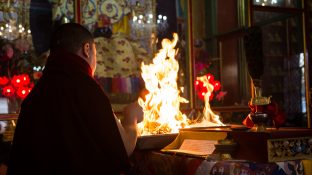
x: 161, y: 105
x: 209, y: 118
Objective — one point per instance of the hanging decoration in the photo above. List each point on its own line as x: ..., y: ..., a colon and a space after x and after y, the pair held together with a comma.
x: 265, y: 2
x: 13, y: 23
x: 11, y: 31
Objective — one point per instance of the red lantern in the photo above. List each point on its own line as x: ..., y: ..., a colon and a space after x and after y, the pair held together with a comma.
x: 210, y: 78
x: 216, y: 85
x: 4, y: 80
x: 25, y: 80
x: 200, y: 95
x: 22, y: 92
x: 8, y: 91
x: 16, y: 81
x: 199, y: 85
x: 202, y: 90
x: 211, y: 97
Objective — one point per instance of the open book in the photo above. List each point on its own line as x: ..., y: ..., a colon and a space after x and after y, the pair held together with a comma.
x: 200, y: 148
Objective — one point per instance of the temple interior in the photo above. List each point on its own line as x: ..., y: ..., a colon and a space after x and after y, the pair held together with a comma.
x: 234, y: 98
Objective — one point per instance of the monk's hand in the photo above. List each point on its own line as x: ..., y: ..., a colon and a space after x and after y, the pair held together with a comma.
x: 133, y: 114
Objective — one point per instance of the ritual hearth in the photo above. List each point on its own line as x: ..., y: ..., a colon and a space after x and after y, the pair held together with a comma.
x: 155, y: 141
x: 161, y: 104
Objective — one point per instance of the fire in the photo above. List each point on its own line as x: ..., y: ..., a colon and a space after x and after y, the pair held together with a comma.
x: 162, y: 104
x: 209, y: 117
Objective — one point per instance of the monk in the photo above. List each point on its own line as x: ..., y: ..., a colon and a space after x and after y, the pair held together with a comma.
x: 66, y: 124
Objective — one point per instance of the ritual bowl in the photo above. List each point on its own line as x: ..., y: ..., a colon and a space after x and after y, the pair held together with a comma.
x: 260, y: 120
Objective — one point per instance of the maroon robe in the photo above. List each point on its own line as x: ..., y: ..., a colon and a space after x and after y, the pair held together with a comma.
x: 66, y: 125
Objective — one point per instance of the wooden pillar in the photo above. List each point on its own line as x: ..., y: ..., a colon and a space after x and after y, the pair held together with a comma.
x: 77, y: 5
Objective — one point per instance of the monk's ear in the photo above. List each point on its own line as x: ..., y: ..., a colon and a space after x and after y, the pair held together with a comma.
x: 86, y: 50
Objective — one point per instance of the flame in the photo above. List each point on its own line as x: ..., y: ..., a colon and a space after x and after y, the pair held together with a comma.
x: 209, y: 117
x: 161, y: 105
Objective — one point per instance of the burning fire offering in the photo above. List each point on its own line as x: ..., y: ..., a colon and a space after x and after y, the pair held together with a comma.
x: 161, y: 105
x: 209, y: 117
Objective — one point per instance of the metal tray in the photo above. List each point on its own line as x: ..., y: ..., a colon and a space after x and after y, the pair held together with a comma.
x: 155, y: 142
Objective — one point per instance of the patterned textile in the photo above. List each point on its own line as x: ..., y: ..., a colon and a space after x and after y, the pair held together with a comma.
x: 121, y: 89
x: 120, y: 85
x: 62, y: 8
x: 156, y: 163
x: 119, y: 67
x: 118, y: 57
x: 92, y: 10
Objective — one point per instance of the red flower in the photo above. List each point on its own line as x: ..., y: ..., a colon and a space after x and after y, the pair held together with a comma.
x: 8, y: 91
x: 3, y: 80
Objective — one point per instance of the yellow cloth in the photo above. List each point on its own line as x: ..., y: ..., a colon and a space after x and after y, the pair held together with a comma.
x: 307, y: 165
x: 122, y: 26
